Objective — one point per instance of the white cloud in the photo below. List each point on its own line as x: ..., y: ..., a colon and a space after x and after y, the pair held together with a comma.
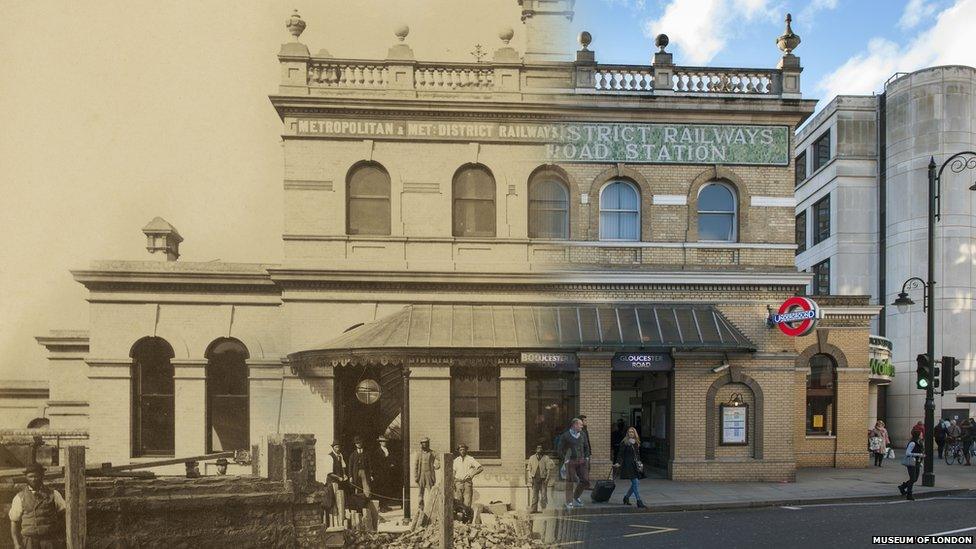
x: 701, y: 28
x: 807, y: 14
x: 915, y: 12
x: 947, y: 42
x: 633, y: 5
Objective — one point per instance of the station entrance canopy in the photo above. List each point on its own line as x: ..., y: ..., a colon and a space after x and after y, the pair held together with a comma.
x: 430, y: 330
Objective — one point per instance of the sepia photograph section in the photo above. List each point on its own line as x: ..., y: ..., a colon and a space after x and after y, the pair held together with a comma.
x: 514, y: 287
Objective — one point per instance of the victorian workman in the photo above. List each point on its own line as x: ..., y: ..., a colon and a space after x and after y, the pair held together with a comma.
x: 538, y: 471
x: 37, y: 514
x: 424, y: 467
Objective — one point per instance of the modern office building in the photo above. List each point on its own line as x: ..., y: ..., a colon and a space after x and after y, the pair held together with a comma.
x: 861, y: 222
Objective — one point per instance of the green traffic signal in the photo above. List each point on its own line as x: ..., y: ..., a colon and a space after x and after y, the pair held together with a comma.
x: 923, y: 371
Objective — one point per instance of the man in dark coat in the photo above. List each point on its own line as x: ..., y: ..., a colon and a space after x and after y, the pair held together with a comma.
x: 384, y: 463
x: 360, y: 468
x: 572, y: 449
x: 37, y: 514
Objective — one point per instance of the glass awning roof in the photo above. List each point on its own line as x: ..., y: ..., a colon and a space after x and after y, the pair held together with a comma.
x: 552, y: 327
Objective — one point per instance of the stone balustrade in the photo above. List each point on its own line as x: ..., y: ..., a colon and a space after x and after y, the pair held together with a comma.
x: 505, y: 72
x: 723, y: 80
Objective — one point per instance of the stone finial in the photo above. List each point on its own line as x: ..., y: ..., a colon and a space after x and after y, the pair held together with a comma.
x: 506, y: 34
x: 401, y: 32
x: 661, y: 41
x: 788, y: 41
x: 162, y: 237
x: 295, y: 25
x: 585, y: 39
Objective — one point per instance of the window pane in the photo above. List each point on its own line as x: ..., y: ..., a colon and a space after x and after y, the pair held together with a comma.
x: 548, y: 210
x: 229, y: 423
x: 475, y: 419
x: 369, y: 216
x: 716, y: 198
x: 369, y: 181
x: 820, y: 395
x: 619, y: 196
x: 801, y: 232
x: 227, y: 374
x: 801, y: 168
x: 474, y: 183
x: 156, y: 425
x: 619, y: 225
x: 715, y: 226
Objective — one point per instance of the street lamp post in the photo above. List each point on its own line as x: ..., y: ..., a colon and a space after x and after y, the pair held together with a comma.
x: 956, y: 163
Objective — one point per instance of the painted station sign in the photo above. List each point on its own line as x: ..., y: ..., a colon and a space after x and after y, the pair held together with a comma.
x: 642, y: 362
x: 797, y: 316
x: 599, y: 142
x: 549, y: 361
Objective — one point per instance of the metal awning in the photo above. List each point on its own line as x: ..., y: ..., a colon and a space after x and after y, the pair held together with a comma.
x: 428, y: 327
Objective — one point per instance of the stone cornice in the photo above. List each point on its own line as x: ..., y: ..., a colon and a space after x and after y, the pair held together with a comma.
x: 542, y: 106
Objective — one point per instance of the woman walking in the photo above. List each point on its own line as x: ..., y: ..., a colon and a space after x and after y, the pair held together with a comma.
x: 913, y: 456
x: 876, y: 445
x: 630, y: 465
x: 879, y: 426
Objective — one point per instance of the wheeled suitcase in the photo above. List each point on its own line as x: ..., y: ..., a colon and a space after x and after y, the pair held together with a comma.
x: 603, y: 489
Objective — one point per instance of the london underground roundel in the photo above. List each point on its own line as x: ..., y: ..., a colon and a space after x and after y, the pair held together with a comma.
x: 797, y: 316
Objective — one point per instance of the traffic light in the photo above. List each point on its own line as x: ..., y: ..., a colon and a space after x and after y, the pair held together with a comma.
x: 950, y: 375
x: 923, y: 371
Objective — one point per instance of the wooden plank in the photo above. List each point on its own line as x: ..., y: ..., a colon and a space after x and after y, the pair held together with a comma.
x: 160, y: 463
x: 447, y: 511
x: 76, y: 498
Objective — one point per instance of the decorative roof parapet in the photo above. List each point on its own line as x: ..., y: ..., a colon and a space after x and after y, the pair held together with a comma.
x: 506, y: 72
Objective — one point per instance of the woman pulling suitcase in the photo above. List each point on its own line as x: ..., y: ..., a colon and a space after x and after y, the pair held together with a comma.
x: 630, y: 465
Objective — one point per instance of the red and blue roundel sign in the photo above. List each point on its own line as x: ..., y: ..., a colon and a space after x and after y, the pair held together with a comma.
x: 797, y: 316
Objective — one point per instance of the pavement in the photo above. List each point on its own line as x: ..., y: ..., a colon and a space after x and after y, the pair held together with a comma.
x: 819, y: 485
x: 947, y: 520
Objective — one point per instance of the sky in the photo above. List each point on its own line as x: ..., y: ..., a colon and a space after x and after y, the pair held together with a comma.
x: 114, y: 112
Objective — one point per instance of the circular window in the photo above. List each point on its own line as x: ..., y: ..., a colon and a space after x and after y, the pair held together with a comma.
x: 368, y: 391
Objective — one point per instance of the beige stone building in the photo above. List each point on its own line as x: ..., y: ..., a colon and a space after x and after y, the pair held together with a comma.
x: 476, y: 253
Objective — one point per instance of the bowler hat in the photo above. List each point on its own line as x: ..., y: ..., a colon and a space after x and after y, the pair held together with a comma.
x: 34, y: 468
x: 357, y: 440
x: 381, y: 439
x: 335, y: 443
x: 222, y: 461
x: 425, y: 439
x: 462, y: 445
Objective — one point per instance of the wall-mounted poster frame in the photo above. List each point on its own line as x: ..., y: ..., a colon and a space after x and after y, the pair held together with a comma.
x: 734, y: 430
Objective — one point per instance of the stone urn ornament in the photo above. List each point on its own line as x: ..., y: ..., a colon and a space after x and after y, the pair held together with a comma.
x: 789, y: 40
x: 295, y: 25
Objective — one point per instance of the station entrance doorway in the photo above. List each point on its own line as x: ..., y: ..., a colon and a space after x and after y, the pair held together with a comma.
x: 640, y: 397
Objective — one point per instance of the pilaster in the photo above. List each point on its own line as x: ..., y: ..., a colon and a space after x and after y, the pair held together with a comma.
x: 594, y: 372
x: 190, y: 405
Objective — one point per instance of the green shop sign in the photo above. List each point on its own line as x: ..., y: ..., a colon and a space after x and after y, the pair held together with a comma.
x: 597, y: 142
x: 672, y: 144
x: 882, y: 367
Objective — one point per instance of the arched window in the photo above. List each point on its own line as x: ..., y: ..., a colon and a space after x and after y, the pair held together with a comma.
x: 228, y: 425
x: 474, y: 202
x: 716, y: 213
x: 368, y: 200
x: 153, y: 405
x: 821, y: 395
x: 619, y: 211
x: 548, y: 207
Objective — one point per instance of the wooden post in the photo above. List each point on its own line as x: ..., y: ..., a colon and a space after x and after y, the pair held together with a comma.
x: 256, y: 460
x: 447, y: 515
x: 341, y: 505
x: 75, y: 498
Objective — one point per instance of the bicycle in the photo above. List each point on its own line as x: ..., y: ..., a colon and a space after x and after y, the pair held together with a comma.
x: 954, y: 452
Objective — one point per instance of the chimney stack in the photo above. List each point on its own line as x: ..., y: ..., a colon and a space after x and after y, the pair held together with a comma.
x: 547, y: 30
x: 163, y: 238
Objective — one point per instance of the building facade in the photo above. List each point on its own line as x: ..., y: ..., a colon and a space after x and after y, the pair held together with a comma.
x: 861, y: 190
x: 476, y: 253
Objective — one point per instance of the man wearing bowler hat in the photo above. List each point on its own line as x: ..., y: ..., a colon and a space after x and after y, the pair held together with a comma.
x: 37, y: 513
x: 221, y: 466
x: 361, y: 468
x: 424, y: 467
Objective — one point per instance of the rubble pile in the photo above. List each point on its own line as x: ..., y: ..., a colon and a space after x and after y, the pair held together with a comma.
x: 501, y: 535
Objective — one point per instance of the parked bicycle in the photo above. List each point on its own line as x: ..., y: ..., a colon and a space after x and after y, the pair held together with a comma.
x: 954, y: 452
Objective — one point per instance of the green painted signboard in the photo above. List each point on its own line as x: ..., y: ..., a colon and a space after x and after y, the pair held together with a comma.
x: 598, y: 142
